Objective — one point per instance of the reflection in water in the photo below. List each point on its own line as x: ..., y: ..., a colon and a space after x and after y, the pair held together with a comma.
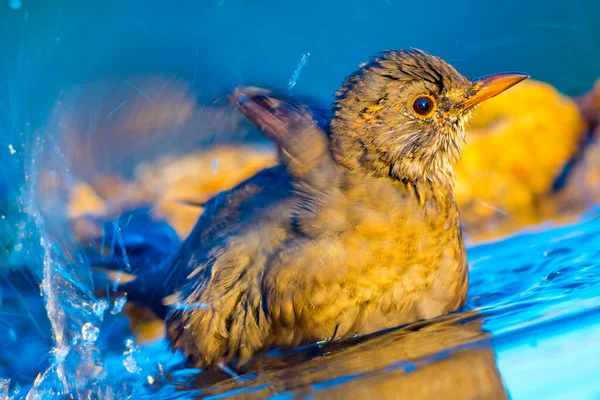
x: 450, y: 357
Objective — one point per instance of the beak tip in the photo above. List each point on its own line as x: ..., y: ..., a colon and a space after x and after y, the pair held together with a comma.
x: 492, y: 85
x: 522, y: 76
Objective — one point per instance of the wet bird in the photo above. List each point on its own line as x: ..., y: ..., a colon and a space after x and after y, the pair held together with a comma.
x: 355, y: 231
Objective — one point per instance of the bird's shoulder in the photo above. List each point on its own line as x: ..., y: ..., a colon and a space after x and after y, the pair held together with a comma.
x: 231, y: 214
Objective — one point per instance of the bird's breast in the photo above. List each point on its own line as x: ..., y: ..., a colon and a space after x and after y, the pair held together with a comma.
x: 404, y: 247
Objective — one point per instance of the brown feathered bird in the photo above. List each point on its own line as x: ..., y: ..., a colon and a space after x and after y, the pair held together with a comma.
x: 355, y: 231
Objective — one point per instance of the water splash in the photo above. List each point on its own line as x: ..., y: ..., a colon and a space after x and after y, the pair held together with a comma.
x: 76, y: 368
x: 188, y: 307
x: 118, y: 304
x: 4, y: 384
x: 129, y: 360
x: 80, y: 364
x: 89, y: 333
x: 296, y: 74
x: 100, y: 308
x: 119, y: 238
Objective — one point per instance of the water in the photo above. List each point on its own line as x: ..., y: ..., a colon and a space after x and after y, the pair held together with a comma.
x: 531, y: 326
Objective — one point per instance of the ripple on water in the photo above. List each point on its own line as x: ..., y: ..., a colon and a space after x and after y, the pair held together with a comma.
x: 527, y: 292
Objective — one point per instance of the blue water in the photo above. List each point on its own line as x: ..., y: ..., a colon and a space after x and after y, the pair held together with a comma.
x: 536, y: 294
x: 546, y: 322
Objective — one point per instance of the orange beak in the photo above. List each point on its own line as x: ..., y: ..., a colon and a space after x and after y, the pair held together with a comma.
x: 492, y: 85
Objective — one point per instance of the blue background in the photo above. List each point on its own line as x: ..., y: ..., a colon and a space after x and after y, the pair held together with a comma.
x: 46, y: 45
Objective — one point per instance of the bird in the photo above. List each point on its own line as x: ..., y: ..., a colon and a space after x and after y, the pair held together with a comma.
x: 354, y: 231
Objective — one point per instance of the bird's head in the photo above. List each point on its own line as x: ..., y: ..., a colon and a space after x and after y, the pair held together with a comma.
x: 402, y: 115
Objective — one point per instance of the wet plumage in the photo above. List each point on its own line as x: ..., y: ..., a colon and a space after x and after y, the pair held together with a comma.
x: 355, y: 231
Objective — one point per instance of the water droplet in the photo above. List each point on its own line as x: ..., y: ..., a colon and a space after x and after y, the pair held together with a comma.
x: 119, y: 304
x: 296, y: 74
x: 191, y: 306
x: 129, y: 361
x: 131, y: 365
x: 100, y: 308
x: 89, y: 333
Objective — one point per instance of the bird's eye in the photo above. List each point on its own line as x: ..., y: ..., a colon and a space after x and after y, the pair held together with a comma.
x: 424, y: 105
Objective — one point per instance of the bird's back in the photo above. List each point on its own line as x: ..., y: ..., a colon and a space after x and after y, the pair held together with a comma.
x: 219, y: 267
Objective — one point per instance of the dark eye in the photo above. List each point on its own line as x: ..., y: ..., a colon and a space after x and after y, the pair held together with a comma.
x: 424, y: 105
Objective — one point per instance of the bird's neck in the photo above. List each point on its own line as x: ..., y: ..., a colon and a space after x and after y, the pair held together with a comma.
x: 429, y: 195
x: 376, y: 150
x: 355, y: 154
x: 432, y: 169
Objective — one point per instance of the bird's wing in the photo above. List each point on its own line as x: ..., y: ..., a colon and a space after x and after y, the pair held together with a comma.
x: 225, y: 216
x: 230, y: 212
x: 216, y: 311
x: 303, y: 144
